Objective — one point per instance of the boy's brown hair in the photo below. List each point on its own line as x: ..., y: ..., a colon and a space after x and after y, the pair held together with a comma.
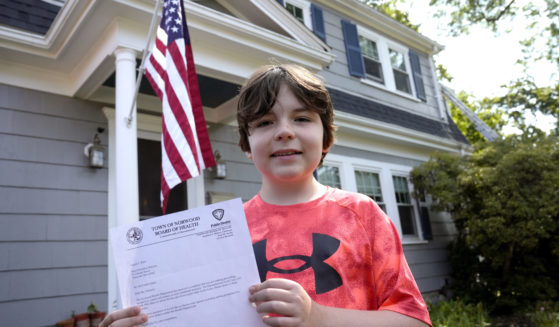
x: 258, y: 96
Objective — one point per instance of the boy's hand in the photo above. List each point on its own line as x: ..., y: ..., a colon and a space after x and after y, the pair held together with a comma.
x: 283, y: 302
x: 127, y: 317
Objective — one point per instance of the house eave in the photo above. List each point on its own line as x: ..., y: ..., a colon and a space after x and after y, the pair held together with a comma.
x: 369, y: 17
x: 78, y: 52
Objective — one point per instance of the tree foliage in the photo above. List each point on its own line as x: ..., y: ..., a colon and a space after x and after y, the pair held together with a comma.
x: 541, y: 19
x: 390, y: 8
x: 486, y: 109
x: 504, y: 200
x: 524, y: 95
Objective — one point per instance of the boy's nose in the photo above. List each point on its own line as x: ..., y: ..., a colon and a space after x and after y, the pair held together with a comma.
x: 284, y: 131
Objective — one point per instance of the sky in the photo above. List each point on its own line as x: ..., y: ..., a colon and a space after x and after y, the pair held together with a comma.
x: 481, y: 61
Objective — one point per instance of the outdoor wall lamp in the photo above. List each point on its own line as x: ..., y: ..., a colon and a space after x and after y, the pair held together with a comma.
x: 95, y: 152
x: 220, y: 169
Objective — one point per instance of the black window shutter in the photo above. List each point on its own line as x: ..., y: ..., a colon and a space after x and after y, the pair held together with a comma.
x: 352, y: 49
x: 417, y: 76
x: 425, y: 223
x: 318, y: 22
x: 281, y: 2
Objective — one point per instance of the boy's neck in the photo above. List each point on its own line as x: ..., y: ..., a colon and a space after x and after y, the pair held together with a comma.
x: 291, y: 193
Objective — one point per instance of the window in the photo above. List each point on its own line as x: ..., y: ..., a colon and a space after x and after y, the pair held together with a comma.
x: 369, y: 184
x: 300, y: 9
x: 297, y: 12
x: 329, y: 175
x: 307, y: 13
x: 386, y: 183
x: 405, y: 207
x: 371, y: 59
x: 382, y: 62
x: 401, y: 77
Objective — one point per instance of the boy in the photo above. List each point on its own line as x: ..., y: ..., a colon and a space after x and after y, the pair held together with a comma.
x: 330, y: 257
x: 327, y: 257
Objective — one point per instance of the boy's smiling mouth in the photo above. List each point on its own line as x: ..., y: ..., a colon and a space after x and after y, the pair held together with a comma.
x: 283, y: 153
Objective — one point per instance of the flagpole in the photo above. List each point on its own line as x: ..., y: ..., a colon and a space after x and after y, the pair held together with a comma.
x: 142, y: 68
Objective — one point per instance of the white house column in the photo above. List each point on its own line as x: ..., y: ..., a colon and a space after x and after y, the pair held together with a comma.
x: 126, y: 153
x: 112, y: 287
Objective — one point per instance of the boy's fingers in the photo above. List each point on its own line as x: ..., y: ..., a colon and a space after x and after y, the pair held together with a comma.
x: 276, y: 308
x: 277, y: 283
x: 270, y: 294
x: 272, y: 283
x: 125, y: 317
x: 280, y: 321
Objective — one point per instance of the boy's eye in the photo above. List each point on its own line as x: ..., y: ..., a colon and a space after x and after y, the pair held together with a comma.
x: 262, y: 123
x: 302, y: 119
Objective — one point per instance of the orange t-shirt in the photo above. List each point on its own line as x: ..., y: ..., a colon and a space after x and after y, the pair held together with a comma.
x: 341, y: 247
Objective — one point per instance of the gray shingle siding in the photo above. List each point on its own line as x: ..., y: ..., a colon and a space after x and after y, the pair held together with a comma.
x: 53, y: 208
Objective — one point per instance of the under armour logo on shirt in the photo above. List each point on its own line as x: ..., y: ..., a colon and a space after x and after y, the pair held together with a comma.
x: 326, y: 278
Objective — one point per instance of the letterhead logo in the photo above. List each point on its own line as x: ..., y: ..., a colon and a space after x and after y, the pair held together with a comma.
x: 218, y: 214
x: 134, y: 235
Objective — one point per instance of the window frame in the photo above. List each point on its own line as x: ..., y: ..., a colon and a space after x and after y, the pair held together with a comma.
x: 305, y: 6
x: 384, y: 46
x: 412, y: 204
x: 405, y: 52
x: 347, y: 167
x: 380, y: 79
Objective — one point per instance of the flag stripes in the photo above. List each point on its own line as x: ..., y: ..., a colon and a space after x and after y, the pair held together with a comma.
x: 185, y: 145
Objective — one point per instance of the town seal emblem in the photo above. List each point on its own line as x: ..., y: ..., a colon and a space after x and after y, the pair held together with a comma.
x: 134, y: 235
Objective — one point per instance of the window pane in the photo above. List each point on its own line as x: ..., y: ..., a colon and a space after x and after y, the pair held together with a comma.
x: 369, y: 184
x: 397, y: 60
x: 402, y: 81
x: 373, y: 69
x: 371, y: 60
x: 401, y: 189
x: 329, y: 175
x: 368, y: 48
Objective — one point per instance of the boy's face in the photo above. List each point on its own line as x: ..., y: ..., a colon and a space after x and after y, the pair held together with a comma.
x: 286, y: 143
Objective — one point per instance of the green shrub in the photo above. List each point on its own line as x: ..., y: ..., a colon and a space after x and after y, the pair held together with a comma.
x: 546, y: 315
x: 504, y: 202
x: 456, y: 313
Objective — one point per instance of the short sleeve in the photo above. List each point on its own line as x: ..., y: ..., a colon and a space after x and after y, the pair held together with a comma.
x: 396, y: 287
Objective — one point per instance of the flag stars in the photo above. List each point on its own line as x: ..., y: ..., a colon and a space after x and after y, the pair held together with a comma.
x: 172, y: 17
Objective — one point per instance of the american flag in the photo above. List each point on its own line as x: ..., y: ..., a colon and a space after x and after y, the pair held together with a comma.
x: 185, y: 145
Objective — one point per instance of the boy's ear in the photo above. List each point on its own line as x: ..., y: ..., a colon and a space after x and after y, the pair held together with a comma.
x: 249, y: 155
